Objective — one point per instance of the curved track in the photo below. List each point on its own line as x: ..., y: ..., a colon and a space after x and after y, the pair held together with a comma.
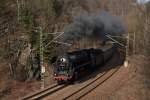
x: 78, y: 91
x: 42, y: 93
x: 91, y: 85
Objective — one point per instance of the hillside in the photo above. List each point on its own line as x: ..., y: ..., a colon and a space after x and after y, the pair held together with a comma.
x: 85, y: 23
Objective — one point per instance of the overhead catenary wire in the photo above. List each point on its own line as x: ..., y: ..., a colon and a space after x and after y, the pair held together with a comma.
x: 54, y: 39
x: 108, y: 36
x: 67, y: 44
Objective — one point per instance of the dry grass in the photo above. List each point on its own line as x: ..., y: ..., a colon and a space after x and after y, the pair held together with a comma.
x: 138, y: 85
x: 11, y: 89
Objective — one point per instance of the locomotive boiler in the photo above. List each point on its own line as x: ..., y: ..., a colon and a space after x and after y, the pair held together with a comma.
x: 68, y: 66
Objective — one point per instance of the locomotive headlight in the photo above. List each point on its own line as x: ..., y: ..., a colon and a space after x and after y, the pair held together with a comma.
x: 55, y: 74
x: 63, y: 60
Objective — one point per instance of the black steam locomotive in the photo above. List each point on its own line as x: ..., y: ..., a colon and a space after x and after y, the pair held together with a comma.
x: 68, y: 66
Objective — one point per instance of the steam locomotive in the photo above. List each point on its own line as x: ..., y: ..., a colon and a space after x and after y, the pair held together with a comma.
x: 68, y: 67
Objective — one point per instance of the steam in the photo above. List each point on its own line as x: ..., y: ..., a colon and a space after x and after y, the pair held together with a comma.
x: 94, y: 26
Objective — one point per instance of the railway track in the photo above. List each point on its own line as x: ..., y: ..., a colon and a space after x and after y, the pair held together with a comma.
x: 81, y: 91
x: 42, y: 93
x: 78, y: 91
x: 85, y: 90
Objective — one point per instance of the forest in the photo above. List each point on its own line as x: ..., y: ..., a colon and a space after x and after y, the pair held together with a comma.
x: 22, y: 22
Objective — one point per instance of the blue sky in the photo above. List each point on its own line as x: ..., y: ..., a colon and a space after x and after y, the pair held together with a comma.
x: 143, y: 1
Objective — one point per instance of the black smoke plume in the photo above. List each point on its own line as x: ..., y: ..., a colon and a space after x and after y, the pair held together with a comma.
x: 94, y: 26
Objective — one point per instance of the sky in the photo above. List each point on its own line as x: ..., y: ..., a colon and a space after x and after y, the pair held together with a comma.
x: 142, y: 1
